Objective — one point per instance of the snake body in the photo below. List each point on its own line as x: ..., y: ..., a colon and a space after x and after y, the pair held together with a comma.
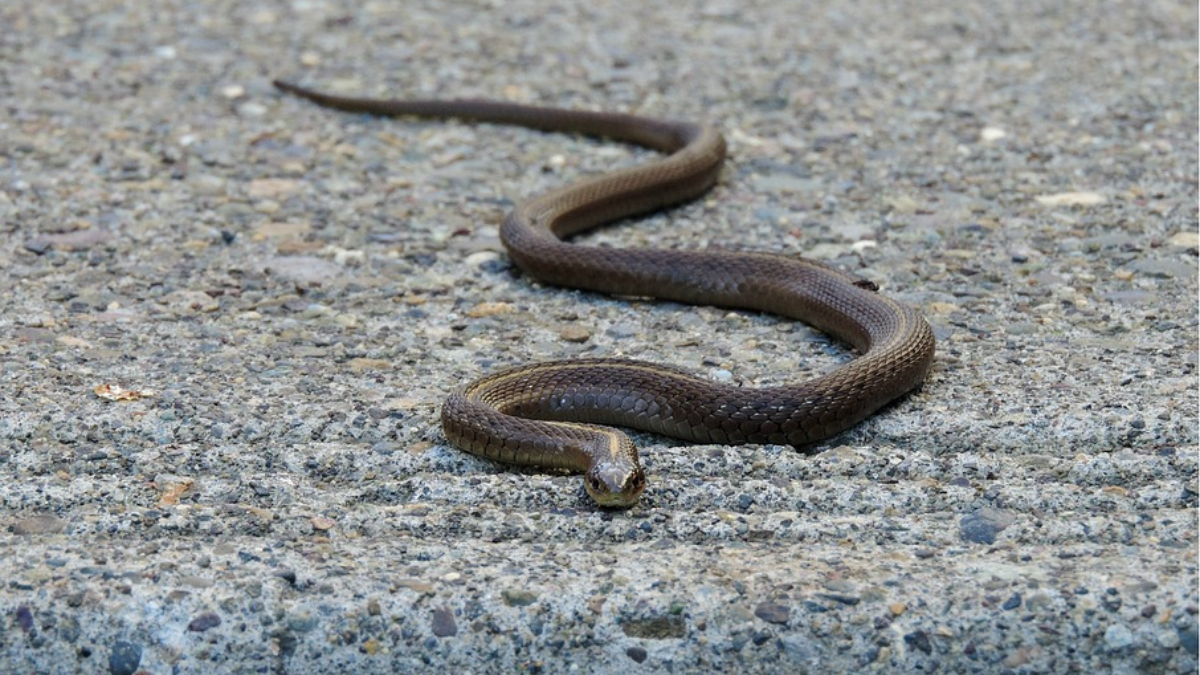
x: 557, y: 414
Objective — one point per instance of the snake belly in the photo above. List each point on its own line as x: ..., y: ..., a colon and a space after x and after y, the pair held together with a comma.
x: 561, y: 414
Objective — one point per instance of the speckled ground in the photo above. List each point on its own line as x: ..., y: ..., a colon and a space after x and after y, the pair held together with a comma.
x: 300, y: 289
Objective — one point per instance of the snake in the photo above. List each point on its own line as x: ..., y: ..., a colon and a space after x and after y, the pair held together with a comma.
x: 562, y: 415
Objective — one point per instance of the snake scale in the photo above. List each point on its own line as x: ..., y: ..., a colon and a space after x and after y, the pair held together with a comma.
x: 557, y: 414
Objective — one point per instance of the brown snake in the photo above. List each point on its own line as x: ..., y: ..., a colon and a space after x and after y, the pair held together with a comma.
x: 546, y: 414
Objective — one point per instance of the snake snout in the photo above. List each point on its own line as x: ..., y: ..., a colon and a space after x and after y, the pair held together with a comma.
x: 615, y: 486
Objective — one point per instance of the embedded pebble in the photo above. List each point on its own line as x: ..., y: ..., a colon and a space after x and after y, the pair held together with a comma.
x: 77, y: 240
x: 1185, y: 239
x: 919, y: 640
x: 655, y: 627
x: 575, y: 334
x: 443, y: 624
x: 39, y: 525
x: 984, y: 525
x: 1117, y: 636
x: 773, y: 612
x: 124, y: 658
x: 1163, y: 268
x: 303, y: 269
x: 1071, y: 199
x: 1169, y: 639
x: 992, y: 134
x: 1189, y: 639
x: 204, y: 622
x: 519, y: 598
x: 24, y: 618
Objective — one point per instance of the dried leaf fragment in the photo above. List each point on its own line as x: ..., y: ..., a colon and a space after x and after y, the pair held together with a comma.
x: 170, y: 496
x: 113, y: 392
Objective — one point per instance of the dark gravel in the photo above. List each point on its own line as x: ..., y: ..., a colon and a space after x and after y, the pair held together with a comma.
x: 287, y: 294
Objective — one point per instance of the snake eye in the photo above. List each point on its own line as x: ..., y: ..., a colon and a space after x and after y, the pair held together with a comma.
x: 595, y: 484
x: 638, y: 481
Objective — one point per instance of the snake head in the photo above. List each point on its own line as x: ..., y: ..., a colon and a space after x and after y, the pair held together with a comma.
x: 615, y: 485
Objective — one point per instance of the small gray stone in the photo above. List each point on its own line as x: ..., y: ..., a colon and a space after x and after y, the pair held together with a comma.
x: 655, y: 628
x: 25, y: 618
x: 1189, y: 639
x: 443, y: 623
x: 302, y: 622
x: 204, y: 621
x: 919, y: 640
x: 1038, y: 601
x: 1169, y: 639
x: 785, y: 184
x: 638, y: 654
x: 38, y: 245
x: 1117, y: 637
x: 1165, y: 268
x: 43, y: 524
x: 622, y: 331
x: 124, y: 658
x: 850, y: 600
x: 773, y: 612
x: 77, y: 240
x: 515, y: 597
x: 983, y: 525
x: 575, y: 334
x: 304, y: 269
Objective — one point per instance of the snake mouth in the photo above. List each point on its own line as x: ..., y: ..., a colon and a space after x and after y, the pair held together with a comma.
x: 615, y: 500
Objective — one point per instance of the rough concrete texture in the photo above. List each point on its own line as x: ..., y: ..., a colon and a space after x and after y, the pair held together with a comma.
x: 300, y: 289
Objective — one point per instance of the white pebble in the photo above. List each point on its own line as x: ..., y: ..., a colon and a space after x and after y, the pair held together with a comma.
x: 991, y: 134
x: 1117, y: 637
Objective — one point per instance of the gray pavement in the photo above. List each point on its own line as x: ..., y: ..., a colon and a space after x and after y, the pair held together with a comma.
x: 295, y: 291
